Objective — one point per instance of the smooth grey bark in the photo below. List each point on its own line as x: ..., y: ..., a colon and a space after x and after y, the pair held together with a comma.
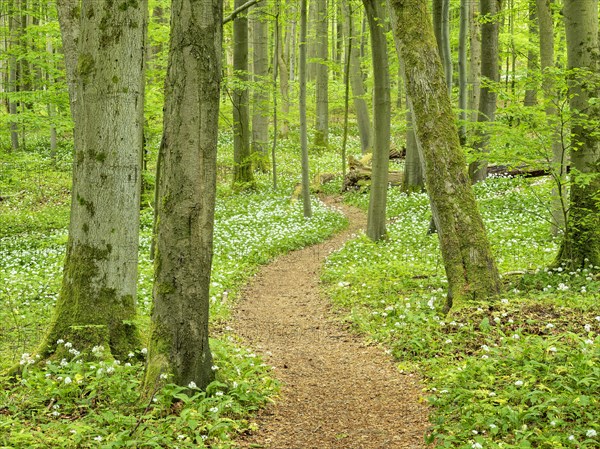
x: 276, y: 51
x: 441, y: 25
x: 490, y: 10
x: 242, y: 162
x: 532, y: 55
x: 347, y: 58
x: 559, y: 157
x: 179, y: 345
x: 312, y: 52
x: 413, y: 163
x: 68, y: 19
x: 470, y: 267
x: 474, y: 75
x: 96, y: 303
x: 13, y: 34
x: 302, y: 104
x: 580, y: 247
x: 462, y: 70
x: 322, y: 75
x: 376, y: 216
x: 283, y: 58
x: 260, y: 96
x: 356, y: 81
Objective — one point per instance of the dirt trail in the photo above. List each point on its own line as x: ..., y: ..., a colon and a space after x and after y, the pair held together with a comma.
x: 338, y: 392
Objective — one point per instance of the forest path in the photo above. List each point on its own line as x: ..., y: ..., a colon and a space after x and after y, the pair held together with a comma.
x: 337, y: 391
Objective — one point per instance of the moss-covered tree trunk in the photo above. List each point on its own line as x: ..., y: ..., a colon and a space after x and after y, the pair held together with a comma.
x: 381, y: 122
x: 470, y: 266
x: 96, y: 304
x: 581, y: 244
x: 490, y: 73
x: 242, y: 163
x: 186, y: 197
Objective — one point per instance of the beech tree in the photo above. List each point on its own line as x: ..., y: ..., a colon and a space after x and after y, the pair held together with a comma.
x: 376, y: 216
x: 468, y: 261
x: 260, y: 93
x: 559, y: 159
x: 96, y: 304
x: 355, y: 77
x: 242, y: 169
x: 322, y: 74
x: 186, y: 197
x: 302, y: 104
x: 581, y: 243
x: 490, y: 27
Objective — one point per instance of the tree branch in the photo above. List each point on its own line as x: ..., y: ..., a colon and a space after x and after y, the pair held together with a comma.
x: 238, y: 10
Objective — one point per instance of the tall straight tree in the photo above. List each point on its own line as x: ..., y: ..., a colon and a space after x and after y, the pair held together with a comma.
x: 532, y: 54
x: 441, y: 26
x: 322, y: 75
x: 559, y: 162
x: 356, y: 78
x: 186, y: 197
x: 474, y: 74
x: 260, y: 93
x: 381, y: 121
x: 242, y: 162
x: 302, y: 104
x: 581, y: 243
x: 96, y: 304
x: 490, y: 13
x: 462, y: 69
x: 470, y: 266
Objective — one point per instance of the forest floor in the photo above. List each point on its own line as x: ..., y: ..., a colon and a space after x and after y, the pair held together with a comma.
x: 338, y: 391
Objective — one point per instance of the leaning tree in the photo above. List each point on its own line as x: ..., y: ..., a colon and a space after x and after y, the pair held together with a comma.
x: 470, y: 266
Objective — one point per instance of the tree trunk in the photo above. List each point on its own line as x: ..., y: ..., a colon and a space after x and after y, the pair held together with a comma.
x: 470, y: 267
x: 242, y: 162
x: 559, y: 162
x: 12, y: 76
x: 276, y: 45
x: 284, y: 75
x: 532, y: 56
x: 179, y: 343
x: 441, y: 25
x: 462, y: 69
x: 413, y: 164
x: 322, y: 76
x: 356, y: 82
x: 490, y: 10
x: 376, y: 217
x: 302, y: 105
x: 474, y: 76
x: 96, y: 304
x: 68, y: 19
x: 581, y: 243
x: 260, y: 98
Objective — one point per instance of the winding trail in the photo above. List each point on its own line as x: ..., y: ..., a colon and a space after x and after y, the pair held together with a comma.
x: 337, y: 391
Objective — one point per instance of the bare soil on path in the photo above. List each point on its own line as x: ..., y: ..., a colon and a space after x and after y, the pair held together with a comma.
x: 337, y: 390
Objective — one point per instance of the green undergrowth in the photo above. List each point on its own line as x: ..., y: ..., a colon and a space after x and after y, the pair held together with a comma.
x: 521, y: 372
x: 91, y: 404
x: 83, y: 404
